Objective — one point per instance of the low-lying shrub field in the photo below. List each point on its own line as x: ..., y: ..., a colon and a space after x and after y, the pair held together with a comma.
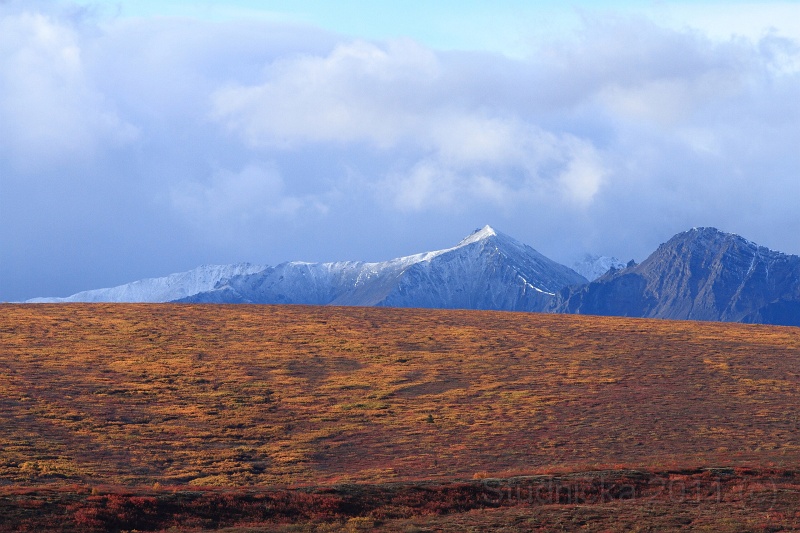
x: 164, y: 406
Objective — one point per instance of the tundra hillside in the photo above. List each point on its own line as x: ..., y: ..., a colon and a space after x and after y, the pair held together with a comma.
x: 215, y: 396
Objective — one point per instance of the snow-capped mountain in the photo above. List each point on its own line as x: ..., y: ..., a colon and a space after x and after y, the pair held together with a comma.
x: 592, y: 267
x: 700, y: 274
x: 487, y: 270
x: 168, y: 288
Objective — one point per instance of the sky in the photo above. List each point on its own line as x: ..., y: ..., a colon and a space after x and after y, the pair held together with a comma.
x: 141, y: 138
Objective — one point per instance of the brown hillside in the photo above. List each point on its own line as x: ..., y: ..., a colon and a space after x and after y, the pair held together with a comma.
x: 241, y: 395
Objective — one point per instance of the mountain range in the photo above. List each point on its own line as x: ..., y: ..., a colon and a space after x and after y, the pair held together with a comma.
x: 157, y: 290
x: 487, y: 270
x: 700, y: 274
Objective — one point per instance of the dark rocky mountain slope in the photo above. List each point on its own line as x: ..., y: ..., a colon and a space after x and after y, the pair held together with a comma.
x: 700, y: 274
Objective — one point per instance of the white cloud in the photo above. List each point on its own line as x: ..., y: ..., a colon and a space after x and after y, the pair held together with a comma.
x: 359, y: 92
x: 722, y: 20
x: 396, y: 98
x: 49, y: 107
x: 240, y: 202
x: 465, y: 138
x: 608, y: 140
x: 583, y: 175
x: 427, y: 184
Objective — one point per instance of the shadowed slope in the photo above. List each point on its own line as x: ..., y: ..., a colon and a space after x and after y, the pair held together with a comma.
x: 701, y: 274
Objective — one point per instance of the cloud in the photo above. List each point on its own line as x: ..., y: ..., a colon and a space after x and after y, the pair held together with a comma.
x: 546, y: 129
x: 583, y: 174
x: 358, y: 92
x: 401, y: 96
x: 49, y: 106
x: 234, y: 204
x: 138, y: 147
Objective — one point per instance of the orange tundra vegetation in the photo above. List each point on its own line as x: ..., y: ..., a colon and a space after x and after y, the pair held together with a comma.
x: 207, y: 396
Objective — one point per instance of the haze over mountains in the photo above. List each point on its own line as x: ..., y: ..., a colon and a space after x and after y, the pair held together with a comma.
x: 700, y: 274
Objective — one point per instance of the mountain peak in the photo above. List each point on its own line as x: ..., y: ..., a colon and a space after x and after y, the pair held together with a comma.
x: 706, y: 237
x: 487, y: 235
x: 699, y: 274
x: 706, y: 232
x: 705, y: 229
x: 479, y: 234
x: 592, y: 267
x: 486, y: 270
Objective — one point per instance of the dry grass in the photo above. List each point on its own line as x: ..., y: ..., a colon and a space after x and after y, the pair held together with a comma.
x: 299, y: 396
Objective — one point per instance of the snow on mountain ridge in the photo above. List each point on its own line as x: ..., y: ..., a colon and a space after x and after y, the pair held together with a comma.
x: 713, y: 234
x: 478, y: 235
x: 163, y: 289
x: 486, y: 270
x: 401, y: 262
x: 592, y: 267
x: 699, y: 274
